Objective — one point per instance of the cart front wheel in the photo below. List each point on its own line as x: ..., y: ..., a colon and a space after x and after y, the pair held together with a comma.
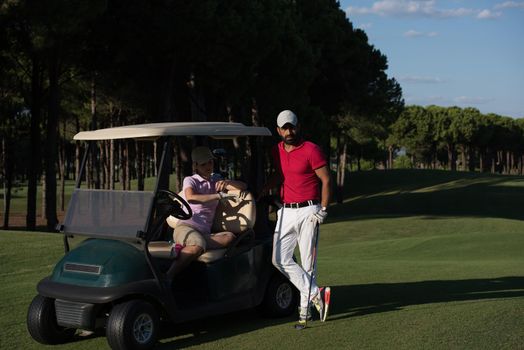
x: 41, y: 322
x: 133, y: 325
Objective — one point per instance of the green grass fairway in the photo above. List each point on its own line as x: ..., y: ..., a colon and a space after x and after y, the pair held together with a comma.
x: 416, y: 260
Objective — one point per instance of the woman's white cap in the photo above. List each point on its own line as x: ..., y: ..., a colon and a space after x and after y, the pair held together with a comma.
x: 201, y: 155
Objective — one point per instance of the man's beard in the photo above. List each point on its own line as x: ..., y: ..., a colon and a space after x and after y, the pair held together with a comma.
x: 292, y: 141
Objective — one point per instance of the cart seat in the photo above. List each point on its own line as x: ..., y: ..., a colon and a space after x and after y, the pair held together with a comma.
x: 233, y: 216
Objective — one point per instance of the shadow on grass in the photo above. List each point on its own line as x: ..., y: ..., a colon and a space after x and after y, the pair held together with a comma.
x: 205, y: 330
x: 402, y: 193
x: 347, y: 301
x: 212, y: 329
x: 358, y: 300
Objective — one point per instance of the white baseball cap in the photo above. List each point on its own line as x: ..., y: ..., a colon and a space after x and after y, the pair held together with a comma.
x: 285, y: 117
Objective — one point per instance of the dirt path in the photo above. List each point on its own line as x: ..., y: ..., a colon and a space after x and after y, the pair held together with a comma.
x: 17, y: 221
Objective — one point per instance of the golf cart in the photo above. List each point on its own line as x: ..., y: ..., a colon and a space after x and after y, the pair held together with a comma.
x: 118, y: 278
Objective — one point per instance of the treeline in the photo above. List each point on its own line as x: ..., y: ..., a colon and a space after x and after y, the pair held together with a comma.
x: 459, y: 139
x: 71, y: 65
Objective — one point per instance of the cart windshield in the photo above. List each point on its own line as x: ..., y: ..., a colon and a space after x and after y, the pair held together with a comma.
x: 108, y: 213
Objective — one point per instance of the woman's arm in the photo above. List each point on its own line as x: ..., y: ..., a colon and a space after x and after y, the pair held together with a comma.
x: 193, y: 197
x: 228, y: 185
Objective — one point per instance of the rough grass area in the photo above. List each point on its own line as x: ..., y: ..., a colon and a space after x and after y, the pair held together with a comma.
x: 416, y: 260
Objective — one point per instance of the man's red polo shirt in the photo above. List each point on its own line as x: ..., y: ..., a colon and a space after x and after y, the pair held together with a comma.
x: 300, y: 183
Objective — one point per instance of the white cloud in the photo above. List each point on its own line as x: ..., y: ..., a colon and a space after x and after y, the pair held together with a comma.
x: 510, y: 4
x: 472, y: 100
x: 416, y: 34
x: 464, y: 101
x: 422, y: 8
x: 487, y: 14
x: 425, y: 8
x: 413, y: 79
x: 427, y: 100
x: 413, y: 34
x: 365, y: 25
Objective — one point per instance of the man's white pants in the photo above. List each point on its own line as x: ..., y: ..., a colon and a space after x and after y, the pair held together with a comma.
x: 294, y: 226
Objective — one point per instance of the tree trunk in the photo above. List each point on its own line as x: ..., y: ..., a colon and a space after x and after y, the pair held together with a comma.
x: 34, y: 161
x: 89, y: 170
x: 463, y: 159
x: 118, y: 163
x: 139, y: 149
x: 341, y: 168
x: 128, y: 165
x: 172, y: 78
x: 111, y: 156
x: 44, y: 195
x: 482, y: 155
x: 77, y: 152
x: 8, y: 179
x: 95, y: 164
x: 148, y: 162
x: 451, y: 157
x: 390, y: 158
x: 177, y: 155
x: 112, y: 164
x: 61, y: 167
x: 500, y: 162
x: 434, y: 157
x: 69, y: 160
x: 198, y: 109
x: 508, y: 163
x: 77, y: 160
x: 51, y: 144
x: 471, y: 158
x: 121, y: 152
x: 155, y: 158
x: 4, y: 181
x: 105, y: 162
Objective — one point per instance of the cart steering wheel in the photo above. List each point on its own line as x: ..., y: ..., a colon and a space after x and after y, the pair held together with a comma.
x: 180, y: 208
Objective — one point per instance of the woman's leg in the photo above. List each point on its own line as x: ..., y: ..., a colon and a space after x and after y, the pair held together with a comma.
x: 194, y: 245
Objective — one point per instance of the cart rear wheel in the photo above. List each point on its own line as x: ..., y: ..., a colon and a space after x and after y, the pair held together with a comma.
x: 133, y: 325
x: 41, y: 322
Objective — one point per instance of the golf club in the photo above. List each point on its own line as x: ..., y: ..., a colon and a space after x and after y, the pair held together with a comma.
x: 313, y: 262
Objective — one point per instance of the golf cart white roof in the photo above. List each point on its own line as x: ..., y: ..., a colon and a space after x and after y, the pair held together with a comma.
x: 218, y: 130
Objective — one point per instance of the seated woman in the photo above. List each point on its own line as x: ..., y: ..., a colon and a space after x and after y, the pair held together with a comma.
x: 202, y: 191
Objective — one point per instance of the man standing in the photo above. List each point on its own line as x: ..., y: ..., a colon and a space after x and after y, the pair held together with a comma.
x: 302, y: 172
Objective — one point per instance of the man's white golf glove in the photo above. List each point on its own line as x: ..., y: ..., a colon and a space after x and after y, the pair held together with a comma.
x: 319, y: 216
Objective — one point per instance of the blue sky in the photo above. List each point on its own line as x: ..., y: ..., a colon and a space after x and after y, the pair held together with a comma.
x: 466, y: 53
